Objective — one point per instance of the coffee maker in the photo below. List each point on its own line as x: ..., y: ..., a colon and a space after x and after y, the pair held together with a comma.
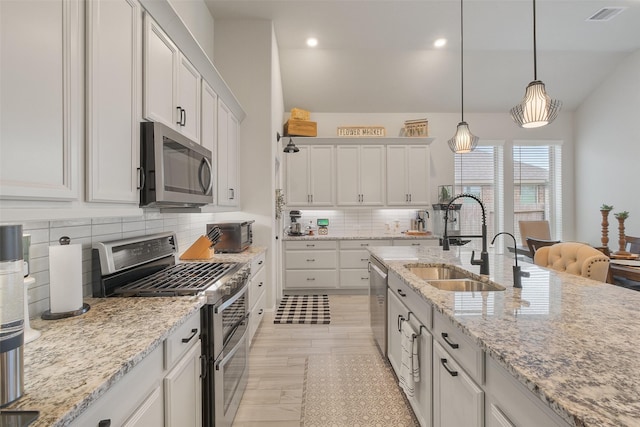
x: 295, y: 227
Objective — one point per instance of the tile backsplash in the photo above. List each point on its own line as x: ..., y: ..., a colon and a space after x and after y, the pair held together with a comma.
x: 187, y: 226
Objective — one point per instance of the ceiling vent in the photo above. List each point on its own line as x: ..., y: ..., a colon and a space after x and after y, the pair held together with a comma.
x: 605, y: 14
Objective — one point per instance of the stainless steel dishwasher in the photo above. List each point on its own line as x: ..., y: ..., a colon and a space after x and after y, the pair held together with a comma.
x: 378, y: 302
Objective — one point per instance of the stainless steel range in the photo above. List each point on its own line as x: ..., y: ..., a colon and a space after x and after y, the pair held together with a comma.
x: 146, y: 267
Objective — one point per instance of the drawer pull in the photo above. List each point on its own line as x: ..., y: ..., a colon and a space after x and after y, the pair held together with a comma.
x: 445, y: 337
x: 194, y: 332
x: 260, y: 262
x: 400, y: 320
x: 364, y: 244
x: 311, y: 279
x: 452, y: 373
x: 415, y: 244
x: 402, y: 294
x: 104, y: 423
x: 260, y: 312
x: 311, y: 246
x: 260, y: 285
x: 364, y: 278
x: 311, y: 260
x: 364, y: 259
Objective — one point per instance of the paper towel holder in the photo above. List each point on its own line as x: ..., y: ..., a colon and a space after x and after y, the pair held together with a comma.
x: 48, y: 315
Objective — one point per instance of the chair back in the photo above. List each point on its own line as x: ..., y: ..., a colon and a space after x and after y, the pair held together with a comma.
x: 574, y: 258
x: 535, y: 244
x: 534, y: 229
x: 633, y: 244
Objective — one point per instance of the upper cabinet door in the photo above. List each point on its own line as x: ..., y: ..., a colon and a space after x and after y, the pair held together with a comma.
x: 41, y: 111
x: 418, y: 177
x: 114, y: 54
x: 397, y: 192
x: 408, y: 175
x: 372, y: 172
x: 189, y: 99
x: 348, y: 171
x: 321, y: 175
x: 228, y: 140
x: 297, y: 176
x: 161, y: 58
x: 209, y: 118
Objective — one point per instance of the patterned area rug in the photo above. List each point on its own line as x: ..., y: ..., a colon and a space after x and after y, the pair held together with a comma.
x: 353, y: 391
x: 312, y: 309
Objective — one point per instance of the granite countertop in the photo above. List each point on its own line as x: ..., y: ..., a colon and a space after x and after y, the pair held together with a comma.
x: 76, y: 360
x: 358, y: 236
x: 572, y: 341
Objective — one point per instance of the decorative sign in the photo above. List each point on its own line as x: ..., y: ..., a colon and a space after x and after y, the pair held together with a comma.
x: 361, y: 131
x: 416, y: 128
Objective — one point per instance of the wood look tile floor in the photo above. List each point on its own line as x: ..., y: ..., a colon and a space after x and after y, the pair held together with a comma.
x: 277, y: 360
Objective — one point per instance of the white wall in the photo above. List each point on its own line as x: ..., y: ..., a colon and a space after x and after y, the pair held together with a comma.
x: 196, y: 16
x: 607, y: 153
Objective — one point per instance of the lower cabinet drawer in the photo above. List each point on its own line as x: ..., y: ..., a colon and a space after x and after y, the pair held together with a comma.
x: 257, y: 286
x: 257, y: 314
x: 181, y: 340
x: 465, y: 351
x: 354, y: 259
x: 327, y: 279
x: 310, y: 259
x: 354, y: 279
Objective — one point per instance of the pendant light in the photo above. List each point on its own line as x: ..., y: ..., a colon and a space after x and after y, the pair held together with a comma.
x: 463, y: 141
x: 536, y: 108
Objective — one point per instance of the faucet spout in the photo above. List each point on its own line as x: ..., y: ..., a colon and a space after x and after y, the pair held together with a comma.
x: 483, y: 262
x: 518, y: 274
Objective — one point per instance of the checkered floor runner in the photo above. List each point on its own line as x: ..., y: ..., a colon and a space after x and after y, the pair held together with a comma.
x: 312, y: 309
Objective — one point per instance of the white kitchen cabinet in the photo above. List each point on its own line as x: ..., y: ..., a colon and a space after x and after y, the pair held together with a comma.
x: 228, y: 194
x: 360, y: 175
x: 183, y: 391
x: 452, y: 384
x: 150, y: 413
x: 41, y: 89
x: 397, y: 313
x: 354, y: 262
x: 408, y: 175
x: 114, y: 53
x: 257, y: 294
x: 311, y: 264
x: 171, y: 83
x: 310, y: 176
x: 209, y: 119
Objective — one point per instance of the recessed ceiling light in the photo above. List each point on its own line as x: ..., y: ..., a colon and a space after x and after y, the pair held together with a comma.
x: 312, y: 42
x: 440, y: 42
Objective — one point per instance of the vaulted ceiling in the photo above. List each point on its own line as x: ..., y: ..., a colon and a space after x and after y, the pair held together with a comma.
x: 378, y: 55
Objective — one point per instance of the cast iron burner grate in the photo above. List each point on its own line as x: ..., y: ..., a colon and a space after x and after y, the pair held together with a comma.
x: 179, y: 279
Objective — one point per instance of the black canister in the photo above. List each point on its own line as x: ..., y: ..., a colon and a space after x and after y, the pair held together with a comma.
x: 11, y: 314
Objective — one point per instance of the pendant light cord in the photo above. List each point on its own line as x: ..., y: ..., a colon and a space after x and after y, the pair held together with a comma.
x: 462, y: 63
x: 535, y: 59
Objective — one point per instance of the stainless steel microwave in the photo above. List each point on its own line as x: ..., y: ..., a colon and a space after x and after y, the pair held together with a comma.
x: 176, y: 172
x: 236, y: 236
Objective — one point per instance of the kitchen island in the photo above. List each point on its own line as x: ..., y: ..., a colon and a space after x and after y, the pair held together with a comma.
x: 572, y: 342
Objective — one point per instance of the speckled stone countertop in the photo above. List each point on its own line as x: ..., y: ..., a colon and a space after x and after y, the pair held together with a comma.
x: 76, y: 360
x: 357, y: 236
x: 572, y: 341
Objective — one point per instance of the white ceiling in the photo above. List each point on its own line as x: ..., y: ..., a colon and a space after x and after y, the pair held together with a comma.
x: 378, y: 55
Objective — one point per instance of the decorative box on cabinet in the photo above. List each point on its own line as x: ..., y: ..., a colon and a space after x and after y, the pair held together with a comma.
x: 171, y: 83
x: 360, y: 172
x: 311, y: 264
x: 354, y: 262
x: 42, y: 107
x: 408, y: 175
x: 310, y: 176
x: 114, y: 53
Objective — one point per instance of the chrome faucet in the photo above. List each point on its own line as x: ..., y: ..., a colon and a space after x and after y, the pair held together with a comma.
x: 483, y: 262
x: 518, y: 274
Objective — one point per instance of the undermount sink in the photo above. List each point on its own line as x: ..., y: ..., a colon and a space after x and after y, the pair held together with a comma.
x: 465, y: 285
x: 441, y: 272
x: 447, y: 278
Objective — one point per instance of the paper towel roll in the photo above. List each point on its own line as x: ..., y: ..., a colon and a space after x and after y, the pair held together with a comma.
x: 65, y: 278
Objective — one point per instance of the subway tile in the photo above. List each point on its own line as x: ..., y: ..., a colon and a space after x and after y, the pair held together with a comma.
x: 70, y: 223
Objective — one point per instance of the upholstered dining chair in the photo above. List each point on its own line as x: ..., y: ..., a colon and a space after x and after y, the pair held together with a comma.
x: 535, y: 230
x: 574, y: 258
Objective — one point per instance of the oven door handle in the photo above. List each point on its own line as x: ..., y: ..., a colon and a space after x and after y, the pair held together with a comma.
x: 235, y: 329
x: 233, y: 299
x: 229, y: 355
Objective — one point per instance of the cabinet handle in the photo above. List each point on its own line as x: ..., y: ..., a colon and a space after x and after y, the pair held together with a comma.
x: 415, y: 244
x: 104, y: 423
x: 184, y: 122
x: 311, y: 246
x: 194, y: 332
x: 400, y: 320
x: 203, y: 366
x: 409, y: 197
x: 364, y: 244
x: 179, y: 122
x: 452, y: 373
x: 232, y: 194
x: 260, y: 312
x: 310, y: 260
x: 260, y: 262
x: 141, y: 175
x: 364, y: 259
x: 311, y: 198
x: 445, y: 337
x: 402, y: 294
x: 260, y: 285
x: 311, y: 279
x: 364, y: 278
